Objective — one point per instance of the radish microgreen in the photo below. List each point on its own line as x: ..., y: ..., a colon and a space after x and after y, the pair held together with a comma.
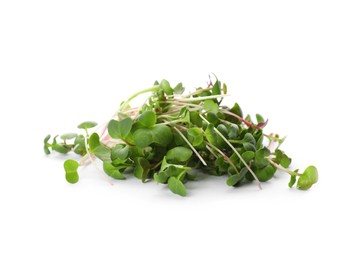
x: 175, y: 133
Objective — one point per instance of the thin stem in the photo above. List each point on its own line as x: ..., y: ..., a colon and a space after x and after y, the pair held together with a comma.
x: 200, y: 98
x: 236, y: 141
x: 172, y: 122
x: 84, y: 159
x: 125, y: 104
x: 224, y: 156
x: 191, y: 146
x: 212, y: 152
x: 178, y: 102
x: 280, y: 167
x: 197, y: 92
x: 238, y: 117
x: 156, y: 165
x: 235, y: 151
x: 226, y: 122
x: 175, y: 111
x: 274, y: 138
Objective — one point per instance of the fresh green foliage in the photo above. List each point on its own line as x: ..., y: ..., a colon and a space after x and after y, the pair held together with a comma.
x: 176, y: 133
x: 179, y: 154
x: 195, y: 136
x: 68, y: 136
x: 71, y: 167
x: 113, y: 171
x: 47, y: 145
x: 308, y: 178
x: 87, y: 125
x: 147, y: 118
x: 120, y: 129
x: 176, y: 186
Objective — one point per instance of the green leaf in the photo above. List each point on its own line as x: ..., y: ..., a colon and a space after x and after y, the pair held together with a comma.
x: 309, y: 177
x: 179, y: 89
x: 112, y: 171
x: 233, y: 180
x: 293, y: 179
x: 120, y: 129
x: 178, y: 139
x: 160, y: 177
x: 94, y: 141
x: 236, y: 109
x: 249, y: 147
x: 173, y: 171
x: 46, y: 144
x: 224, y: 88
x: 60, y: 148
x: 68, y: 136
x: 47, y: 138
x: 233, y: 131
x: 259, y: 118
x: 195, y: 136
x: 185, y: 115
x: 79, y: 143
x: 98, y: 149
x: 278, y: 156
x: 46, y: 150
x: 259, y: 139
x: 211, y: 135
x: 248, y: 138
x: 266, y: 173
x: 177, y: 187
x: 195, y: 118
x: 191, y: 177
x: 143, y: 137
x: 103, y: 153
x: 179, y: 154
x: 142, y: 167
x: 221, y: 164
x: 162, y: 135
x: 223, y: 130
x: 212, y: 118
x: 285, y: 161
x: 260, y: 158
x: 119, y: 153
x: 147, y: 118
x: 282, y: 159
x: 216, y: 89
x: 165, y: 86
x: 71, y: 167
x: 210, y: 106
x: 87, y: 125
x: 248, y: 155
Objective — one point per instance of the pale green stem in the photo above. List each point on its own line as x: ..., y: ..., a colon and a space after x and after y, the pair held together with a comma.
x: 200, y: 98
x: 212, y: 152
x: 198, y: 92
x: 84, y: 159
x: 172, y: 122
x: 280, y: 167
x: 190, y: 145
x: 126, y: 103
x: 176, y: 102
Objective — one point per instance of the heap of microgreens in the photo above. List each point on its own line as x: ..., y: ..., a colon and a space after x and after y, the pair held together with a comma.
x: 173, y: 134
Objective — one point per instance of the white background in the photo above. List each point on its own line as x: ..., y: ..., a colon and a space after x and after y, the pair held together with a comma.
x: 63, y: 62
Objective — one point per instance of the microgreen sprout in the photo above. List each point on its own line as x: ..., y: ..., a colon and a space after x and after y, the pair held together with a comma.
x: 174, y: 134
